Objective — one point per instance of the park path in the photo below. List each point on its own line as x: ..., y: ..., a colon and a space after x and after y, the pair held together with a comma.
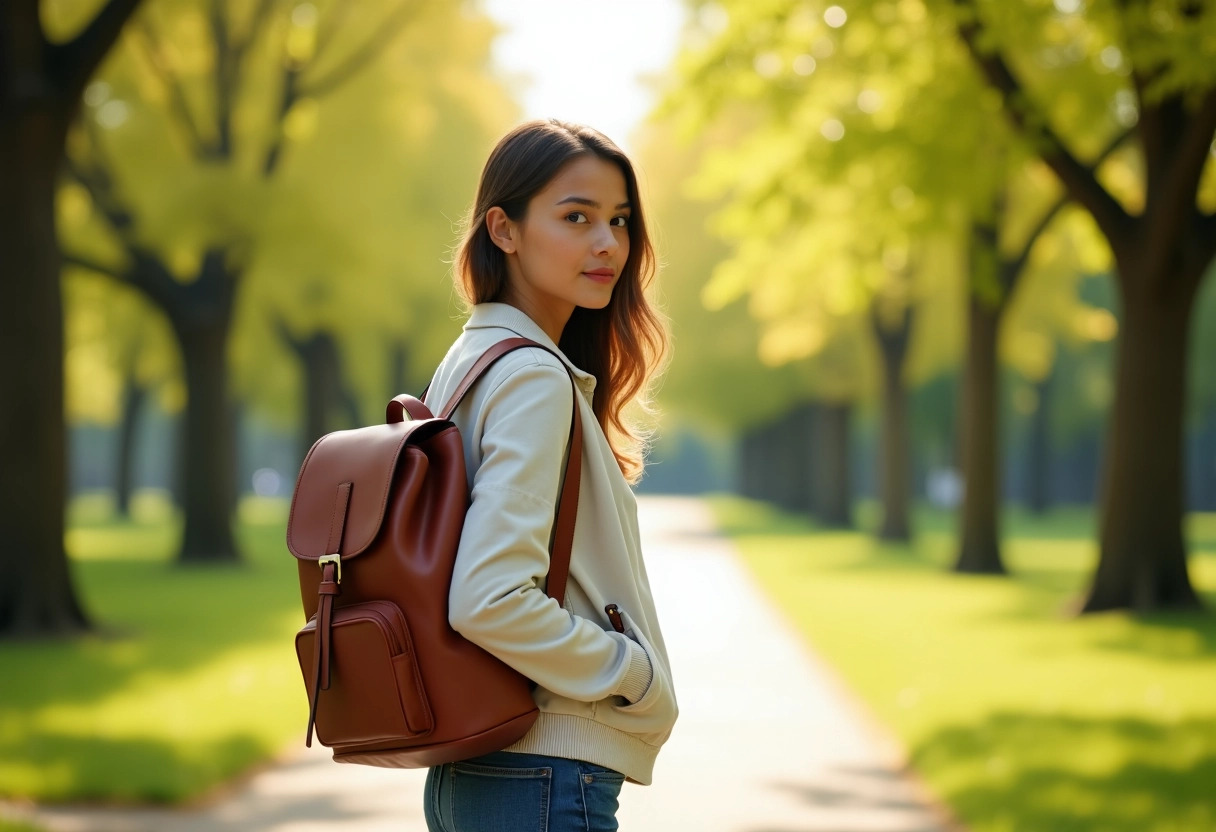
x: 768, y: 739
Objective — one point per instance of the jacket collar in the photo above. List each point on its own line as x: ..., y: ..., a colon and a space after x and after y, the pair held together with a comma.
x: 505, y: 316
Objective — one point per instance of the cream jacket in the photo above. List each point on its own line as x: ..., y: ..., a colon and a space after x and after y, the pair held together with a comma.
x: 605, y: 697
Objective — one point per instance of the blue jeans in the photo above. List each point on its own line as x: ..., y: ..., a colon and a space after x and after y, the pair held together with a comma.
x: 510, y: 792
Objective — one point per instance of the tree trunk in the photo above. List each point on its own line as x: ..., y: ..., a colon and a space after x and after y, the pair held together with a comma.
x: 1204, y: 498
x: 980, y: 537
x: 328, y: 403
x: 201, y: 317
x: 36, y: 594
x: 765, y: 452
x: 833, y: 485
x: 1143, y: 558
x: 128, y: 430
x: 399, y: 372
x: 751, y: 464
x: 744, y: 480
x: 1038, y: 452
x: 1161, y: 254
x: 796, y: 430
x: 894, y: 471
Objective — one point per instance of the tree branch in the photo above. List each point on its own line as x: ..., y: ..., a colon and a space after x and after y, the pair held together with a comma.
x: 146, y: 274
x: 179, y: 108
x: 296, y: 345
x: 74, y: 62
x: 1196, y: 143
x: 72, y: 259
x: 1148, y: 121
x: 146, y: 271
x: 288, y: 95
x: 294, y: 87
x: 325, y: 34
x: 361, y: 57
x: 257, y: 22
x: 1182, y: 166
x: 150, y: 275
x: 96, y: 180
x: 226, y: 74
x: 1077, y: 178
x: 1016, y: 264
x: 1012, y: 267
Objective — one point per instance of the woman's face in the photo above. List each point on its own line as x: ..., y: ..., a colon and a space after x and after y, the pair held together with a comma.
x: 570, y: 247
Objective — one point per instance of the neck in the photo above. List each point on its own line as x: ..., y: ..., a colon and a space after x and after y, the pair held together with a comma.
x: 552, y: 321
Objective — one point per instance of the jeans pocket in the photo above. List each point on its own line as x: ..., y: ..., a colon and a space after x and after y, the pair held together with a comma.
x: 500, y: 798
x: 601, y: 792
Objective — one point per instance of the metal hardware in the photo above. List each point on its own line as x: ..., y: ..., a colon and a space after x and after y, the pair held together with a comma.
x: 336, y: 560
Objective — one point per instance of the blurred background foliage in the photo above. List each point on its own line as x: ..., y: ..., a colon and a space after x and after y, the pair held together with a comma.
x: 324, y: 159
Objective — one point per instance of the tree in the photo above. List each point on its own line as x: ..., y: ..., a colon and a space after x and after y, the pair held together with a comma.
x: 1161, y: 236
x: 832, y: 195
x: 120, y: 360
x: 996, y: 269
x: 715, y: 386
x: 41, y: 81
x: 221, y: 101
x: 329, y: 404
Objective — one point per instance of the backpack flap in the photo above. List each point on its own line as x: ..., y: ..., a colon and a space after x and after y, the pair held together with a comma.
x: 343, y: 489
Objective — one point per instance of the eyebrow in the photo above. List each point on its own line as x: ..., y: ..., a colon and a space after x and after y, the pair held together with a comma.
x: 590, y: 203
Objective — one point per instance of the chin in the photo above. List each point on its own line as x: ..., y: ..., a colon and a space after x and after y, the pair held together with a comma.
x: 597, y: 303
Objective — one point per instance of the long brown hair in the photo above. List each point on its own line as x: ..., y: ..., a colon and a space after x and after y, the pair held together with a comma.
x: 624, y: 344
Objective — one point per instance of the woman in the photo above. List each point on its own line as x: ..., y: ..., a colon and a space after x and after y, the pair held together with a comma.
x: 556, y: 250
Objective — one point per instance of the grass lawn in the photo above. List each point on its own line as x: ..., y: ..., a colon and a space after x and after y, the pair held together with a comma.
x: 1017, y: 714
x: 191, y: 680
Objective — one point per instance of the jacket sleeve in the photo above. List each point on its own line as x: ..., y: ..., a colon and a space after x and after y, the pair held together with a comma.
x: 497, y: 597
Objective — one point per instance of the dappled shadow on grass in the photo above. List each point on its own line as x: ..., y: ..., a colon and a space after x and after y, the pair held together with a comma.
x: 97, y: 769
x: 1050, y: 557
x: 158, y: 617
x: 1056, y: 773
x: 169, y: 639
x: 1172, y: 635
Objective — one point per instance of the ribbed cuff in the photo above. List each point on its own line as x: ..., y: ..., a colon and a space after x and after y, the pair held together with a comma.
x: 637, y: 680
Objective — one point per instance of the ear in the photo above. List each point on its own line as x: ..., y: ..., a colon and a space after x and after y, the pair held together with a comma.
x: 501, y: 229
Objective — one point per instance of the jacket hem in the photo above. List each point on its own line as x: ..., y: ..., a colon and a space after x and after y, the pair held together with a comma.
x: 580, y: 738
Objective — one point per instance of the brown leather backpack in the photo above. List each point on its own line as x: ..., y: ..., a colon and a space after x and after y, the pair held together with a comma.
x: 375, y: 521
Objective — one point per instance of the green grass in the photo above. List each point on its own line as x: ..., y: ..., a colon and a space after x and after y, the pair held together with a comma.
x: 190, y: 680
x: 1017, y: 714
x: 13, y: 825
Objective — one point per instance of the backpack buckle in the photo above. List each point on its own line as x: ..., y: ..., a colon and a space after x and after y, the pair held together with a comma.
x: 336, y: 560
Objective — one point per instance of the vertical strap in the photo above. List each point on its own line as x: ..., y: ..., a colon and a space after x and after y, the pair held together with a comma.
x: 567, y: 500
x: 337, y: 523
x: 567, y: 511
x: 331, y: 576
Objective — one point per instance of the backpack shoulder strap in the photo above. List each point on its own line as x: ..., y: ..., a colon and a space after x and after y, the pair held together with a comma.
x: 567, y: 501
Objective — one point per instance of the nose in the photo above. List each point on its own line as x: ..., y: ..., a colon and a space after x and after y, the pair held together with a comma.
x: 606, y: 241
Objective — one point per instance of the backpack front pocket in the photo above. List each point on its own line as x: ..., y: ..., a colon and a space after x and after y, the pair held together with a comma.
x: 375, y: 692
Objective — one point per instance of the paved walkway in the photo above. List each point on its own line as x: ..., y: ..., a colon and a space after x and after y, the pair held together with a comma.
x: 768, y: 741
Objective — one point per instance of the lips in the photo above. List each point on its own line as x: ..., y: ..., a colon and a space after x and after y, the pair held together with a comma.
x: 600, y: 275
